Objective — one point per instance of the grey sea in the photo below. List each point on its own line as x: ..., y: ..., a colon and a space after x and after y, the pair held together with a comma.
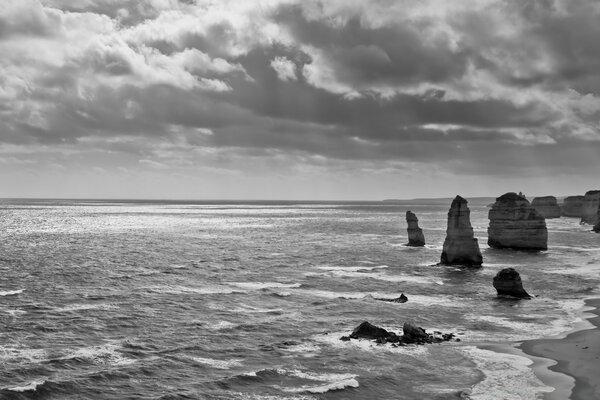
x: 248, y: 300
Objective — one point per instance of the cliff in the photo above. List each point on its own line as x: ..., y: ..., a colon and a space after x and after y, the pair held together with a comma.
x: 572, y: 206
x: 514, y: 223
x: 460, y: 247
x: 589, y: 209
x: 547, y: 206
x: 415, y: 234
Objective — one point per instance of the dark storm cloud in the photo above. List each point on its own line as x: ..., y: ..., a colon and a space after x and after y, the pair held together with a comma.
x: 395, y: 54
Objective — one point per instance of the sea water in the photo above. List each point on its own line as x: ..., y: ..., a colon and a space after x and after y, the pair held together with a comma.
x: 248, y: 300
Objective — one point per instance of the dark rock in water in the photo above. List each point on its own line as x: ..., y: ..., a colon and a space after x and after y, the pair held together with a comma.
x: 589, y: 209
x: 412, y: 334
x: 572, y: 206
x: 415, y: 234
x: 401, y: 299
x: 370, y: 331
x: 547, y: 206
x: 508, y: 283
x: 515, y: 224
x: 596, y: 227
x: 460, y: 247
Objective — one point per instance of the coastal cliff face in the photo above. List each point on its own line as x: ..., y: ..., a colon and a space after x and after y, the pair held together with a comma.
x: 547, y: 206
x: 572, y: 206
x: 460, y: 247
x: 514, y: 223
x: 589, y: 209
x: 415, y: 234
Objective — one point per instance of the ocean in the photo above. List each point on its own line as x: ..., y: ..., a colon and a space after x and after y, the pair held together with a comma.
x: 248, y: 300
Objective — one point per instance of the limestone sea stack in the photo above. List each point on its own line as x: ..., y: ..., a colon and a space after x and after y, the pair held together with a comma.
x: 547, y: 206
x: 415, y: 234
x: 572, y: 206
x: 589, y: 209
x: 515, y: 224
x: 460, y: 247
x: 508, y: 283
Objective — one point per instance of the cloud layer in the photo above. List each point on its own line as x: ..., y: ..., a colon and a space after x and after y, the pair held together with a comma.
x: 324, y: 95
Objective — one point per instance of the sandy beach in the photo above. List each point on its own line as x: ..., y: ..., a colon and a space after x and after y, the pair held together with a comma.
x: 577, y: 355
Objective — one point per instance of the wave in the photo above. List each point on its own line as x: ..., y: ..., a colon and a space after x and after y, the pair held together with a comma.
x: 178, y: 289
x: 352, y: 269
x: 322, y: 383
x: 85, y: 307
x: 264, y: 285
x: 11, y: 292
x: 218, y: 364
x: 22, y: 354
x: 106, y: 354
x: 351, y: 273
x: 28, y: 387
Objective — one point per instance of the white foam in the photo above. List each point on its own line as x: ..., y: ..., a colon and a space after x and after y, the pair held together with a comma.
x: 14, y: 313
x: 28, y: 387
x: 219, y: 364
x: 507, y: 376
x: 224, y: 325
x: 305, y: 349
x: 11, y: 292
x: 21, y: 354
x: 102, y: 354
x: 264, y: 285
x: 351, y: 269
x: 84, y: 307
x: 327, y: 382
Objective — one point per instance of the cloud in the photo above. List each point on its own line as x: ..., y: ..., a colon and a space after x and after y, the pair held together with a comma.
x: 398, y: 84
x: 286, y: 69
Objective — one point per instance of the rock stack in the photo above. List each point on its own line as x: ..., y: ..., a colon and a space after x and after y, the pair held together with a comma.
x: 547, y: 206
x: 515, y: 224
x: 589, y: 209
x: 460, y: 247
x: 596, y: 227
x: 508, y: 283
x: 415, y: 234
x: 572, y: 206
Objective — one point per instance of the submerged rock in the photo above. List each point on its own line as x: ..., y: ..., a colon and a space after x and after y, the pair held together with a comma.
x: 515, y: 224
x: 460, y: 247
x: 415, y: 234
x: 508, y: 283
x: 401, y: 299
x: 589, y: 209
x: 572, y: 206
x: 547, y: 206
x: 412, y: 334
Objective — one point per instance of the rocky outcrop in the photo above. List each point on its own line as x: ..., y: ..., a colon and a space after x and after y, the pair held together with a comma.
x: 515, y: 224
x: 411, y: 334
x: 508, y: 283
x: 589, y: 209
x: 547, y: 206
x: 572, y: 206
x: 460, y: 247
x: 415, y: 234
x: 596, y: 227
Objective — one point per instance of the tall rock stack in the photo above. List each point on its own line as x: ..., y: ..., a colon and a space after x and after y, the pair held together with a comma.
x: 460, y: 247
x: 547, y: 206
x: 515, y: 224
x: 589, y: 210
x: 572, y: 206
x: 415, y: 234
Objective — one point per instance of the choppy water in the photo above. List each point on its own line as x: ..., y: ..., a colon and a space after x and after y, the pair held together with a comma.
x: 248, y: 301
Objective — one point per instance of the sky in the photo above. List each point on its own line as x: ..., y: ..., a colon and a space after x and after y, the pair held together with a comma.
x: 298, y: 99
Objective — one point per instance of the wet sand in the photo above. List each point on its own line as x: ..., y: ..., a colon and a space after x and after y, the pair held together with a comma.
x: 577, y: 355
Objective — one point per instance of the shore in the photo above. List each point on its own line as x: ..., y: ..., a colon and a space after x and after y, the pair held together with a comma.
x: 577, y: 355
